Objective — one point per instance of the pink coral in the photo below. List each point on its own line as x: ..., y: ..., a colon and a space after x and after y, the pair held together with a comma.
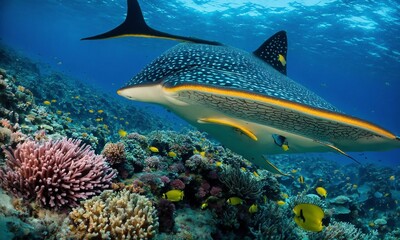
x: 57, y: 174
x: 177, y: 184
x: 216, y: 191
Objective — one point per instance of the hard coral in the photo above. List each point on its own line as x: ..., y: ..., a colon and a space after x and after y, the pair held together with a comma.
x: 114, y: 215
x: 114, y: 152
x: 57, y: 174
x: 240, y: 183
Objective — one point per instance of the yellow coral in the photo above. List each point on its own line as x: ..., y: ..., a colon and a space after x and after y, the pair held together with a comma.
x: 115, y: 215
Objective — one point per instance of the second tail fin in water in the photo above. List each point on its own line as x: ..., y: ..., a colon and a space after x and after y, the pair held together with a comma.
x: 135, y: 26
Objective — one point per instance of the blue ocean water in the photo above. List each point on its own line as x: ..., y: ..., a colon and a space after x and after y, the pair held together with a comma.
x: 348, y: 52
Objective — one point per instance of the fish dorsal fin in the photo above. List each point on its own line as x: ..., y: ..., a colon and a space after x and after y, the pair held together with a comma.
x: 274, y: 51
x: 135, y: 26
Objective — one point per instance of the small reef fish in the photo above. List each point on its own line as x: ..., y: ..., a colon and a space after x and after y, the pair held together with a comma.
x: 172, y: 154
x: 203, y: 154
x: 294, y: 171
x: 100, y: 111
x: 218, y: 164
x: 153, y: 149
x: 309, y: 216
x: 122, y: 133
x: 321, y: 191
x: 301, y: 180
x: 282, y: 59
x: 243, y: 169
x: 234, y: 201
x: 174, y: 195
x: 255, y: 174
x: 59, y: 112
x: 47, y: 102
x: 281, y: 203
x: 99, y: 119
x: 53, y: 101
x: 253, y: 208
x: 285, y: 195
x: 91, y: 111
x: 204, y: 205
x: 392, y: 178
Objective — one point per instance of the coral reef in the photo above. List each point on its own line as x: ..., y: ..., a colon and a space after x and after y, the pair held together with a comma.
x: 114, y: 215
x: 57, y: 174
x: 241, y: 183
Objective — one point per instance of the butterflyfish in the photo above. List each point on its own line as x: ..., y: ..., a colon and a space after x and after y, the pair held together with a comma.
x: 234, y: 201
x: 309, y: 216
x: 321, y: 191
x: 174, y: 195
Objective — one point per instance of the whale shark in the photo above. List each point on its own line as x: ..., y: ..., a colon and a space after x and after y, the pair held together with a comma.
x: 243, y: 99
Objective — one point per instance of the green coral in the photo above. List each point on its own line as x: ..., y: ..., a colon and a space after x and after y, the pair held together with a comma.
x: 240, y: 183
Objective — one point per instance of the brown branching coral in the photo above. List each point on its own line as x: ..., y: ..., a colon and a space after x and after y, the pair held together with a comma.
x: 114, y: 152
x: 114, y: 215
x: 57, y: 174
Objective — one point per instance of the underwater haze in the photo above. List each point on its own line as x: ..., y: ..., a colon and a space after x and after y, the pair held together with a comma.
x: 78, y: 161
x: 348, y: 52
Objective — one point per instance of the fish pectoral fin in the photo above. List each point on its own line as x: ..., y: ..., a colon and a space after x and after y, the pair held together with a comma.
x: 229, y: 123
x: 135, y: 26
x: 272, y: 168
x: 330, y: 145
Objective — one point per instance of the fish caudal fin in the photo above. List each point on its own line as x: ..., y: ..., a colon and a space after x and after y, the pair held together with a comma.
x: 135, y: 26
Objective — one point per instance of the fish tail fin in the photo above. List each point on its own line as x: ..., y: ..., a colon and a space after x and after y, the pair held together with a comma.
x: 134, y: 25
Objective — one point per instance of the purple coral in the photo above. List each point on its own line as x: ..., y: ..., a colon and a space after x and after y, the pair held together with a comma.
x: 57, y: 174
x: 166, y: 211
x: 177, y: 184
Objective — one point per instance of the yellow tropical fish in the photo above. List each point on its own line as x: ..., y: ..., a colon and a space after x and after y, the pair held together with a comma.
x: 218, y: 164
x: 204, y: 205
x: 171, y: 154
x: 301, y: 179
x: 122, y: 133
x: 99, y: 119
x: 285, y: 147
x: 47, y: 102
x: 53, y: 100
x: 253, y: 208
x: 309, y: 216
x: 91, y: 111
x: 203, y: 154
x: 281, y: 203
x: 174, y: 195
x: 321, y: 191
x: 59, y: 112
x: 243, y: 169
x: 294, y: 171
x: 154, y: 149
x: 100, y: 111
x: 285, y: 195
x: 234, y: 201
x: 392, y: 178
x: 282, y: 59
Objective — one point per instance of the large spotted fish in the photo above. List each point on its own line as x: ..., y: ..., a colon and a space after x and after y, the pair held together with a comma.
x: 243, y: 99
